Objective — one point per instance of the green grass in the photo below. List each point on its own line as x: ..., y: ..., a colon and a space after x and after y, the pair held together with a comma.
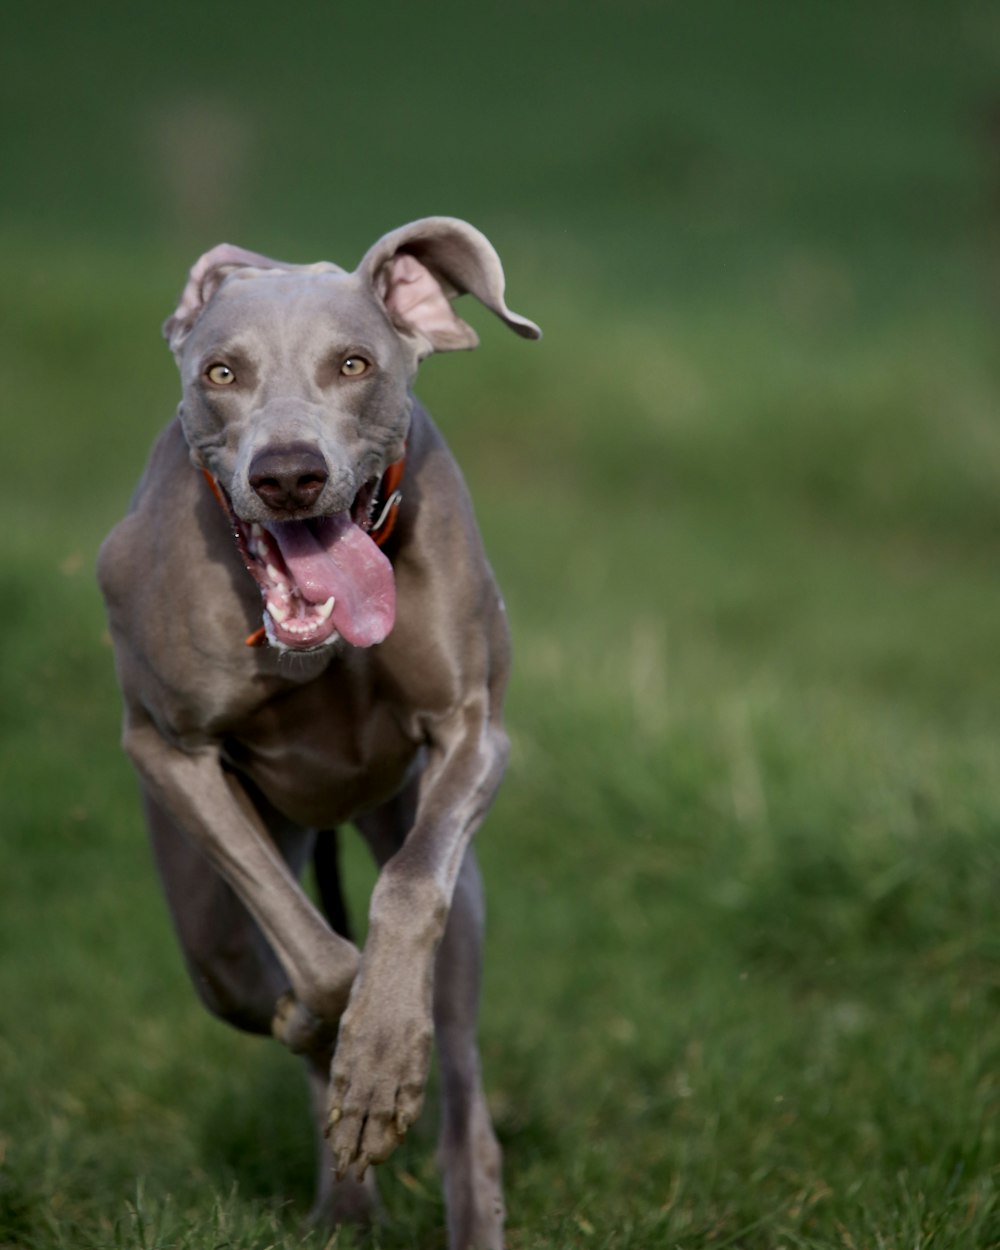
x: 743, y: 970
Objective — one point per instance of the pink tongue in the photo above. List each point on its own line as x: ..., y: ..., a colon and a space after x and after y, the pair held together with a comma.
x: 333, y: 556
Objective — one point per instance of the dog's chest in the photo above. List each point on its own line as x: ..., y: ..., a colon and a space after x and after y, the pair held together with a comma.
x: 323, y: 751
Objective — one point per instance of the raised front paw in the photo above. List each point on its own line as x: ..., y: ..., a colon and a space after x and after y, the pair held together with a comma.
x: 376, y: 1084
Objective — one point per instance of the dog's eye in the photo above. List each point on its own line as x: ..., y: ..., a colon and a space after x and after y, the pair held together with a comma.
x: 354, y: 367
x: 220, y: 375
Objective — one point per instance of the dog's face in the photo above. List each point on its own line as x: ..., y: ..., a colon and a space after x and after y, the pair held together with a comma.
x: 296, y: 400
x: 287, y: 370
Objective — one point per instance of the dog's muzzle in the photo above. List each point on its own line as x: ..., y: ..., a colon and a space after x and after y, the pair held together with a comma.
x: 321, y: 578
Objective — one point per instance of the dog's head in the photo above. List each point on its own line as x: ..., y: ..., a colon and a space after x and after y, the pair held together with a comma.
x: 295, y: 399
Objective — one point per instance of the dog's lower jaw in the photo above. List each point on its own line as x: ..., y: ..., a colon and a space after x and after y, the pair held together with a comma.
x: 285, y: 648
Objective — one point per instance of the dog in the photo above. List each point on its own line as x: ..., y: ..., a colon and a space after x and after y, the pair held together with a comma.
x: 307, y: 632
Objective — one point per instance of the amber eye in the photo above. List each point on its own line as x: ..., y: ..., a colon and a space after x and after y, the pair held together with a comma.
x: 354, y: 367
x: 220, y: 375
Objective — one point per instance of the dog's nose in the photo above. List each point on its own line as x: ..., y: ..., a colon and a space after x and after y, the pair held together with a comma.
x: 288, y: 478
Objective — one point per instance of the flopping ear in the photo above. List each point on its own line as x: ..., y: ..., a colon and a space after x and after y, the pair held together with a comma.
x: 206, y: 276
x: 418, y: 270
x: 208, y: 273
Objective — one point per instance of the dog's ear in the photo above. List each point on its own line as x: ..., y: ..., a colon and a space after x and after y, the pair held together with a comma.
x: 207, y: 274
x: 417, y: 270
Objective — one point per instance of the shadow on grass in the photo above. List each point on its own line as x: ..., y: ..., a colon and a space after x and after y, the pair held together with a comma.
x: 257, y: 1130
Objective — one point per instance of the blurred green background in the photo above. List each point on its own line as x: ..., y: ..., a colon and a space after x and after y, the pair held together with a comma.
x: 742, y: 981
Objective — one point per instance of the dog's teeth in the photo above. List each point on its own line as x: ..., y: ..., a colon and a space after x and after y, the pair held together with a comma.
x: 256, y: 531
x: 279, y: 614
x: 274, y: 575
x: 324, y: 609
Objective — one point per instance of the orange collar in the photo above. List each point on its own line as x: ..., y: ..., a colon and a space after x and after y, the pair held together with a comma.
x: 388, y: 497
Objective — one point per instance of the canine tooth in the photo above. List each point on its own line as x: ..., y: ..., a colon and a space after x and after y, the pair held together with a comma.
x: 273, y: 574
x: 324, y: 609
x: 256, y: 530
x: 279, y: 614
x: 395, y: 498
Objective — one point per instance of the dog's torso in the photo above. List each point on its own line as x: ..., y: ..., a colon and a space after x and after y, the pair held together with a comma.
x: 322, y: 735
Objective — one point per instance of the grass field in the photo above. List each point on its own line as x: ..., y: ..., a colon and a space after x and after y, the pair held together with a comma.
x: 743, y: 969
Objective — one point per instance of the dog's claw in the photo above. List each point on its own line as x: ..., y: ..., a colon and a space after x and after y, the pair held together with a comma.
x: 358, y: 1142
x: 342, y: 1163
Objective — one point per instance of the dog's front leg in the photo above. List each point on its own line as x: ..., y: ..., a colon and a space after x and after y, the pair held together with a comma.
x: 320, y: 965
x: 384, y: 1044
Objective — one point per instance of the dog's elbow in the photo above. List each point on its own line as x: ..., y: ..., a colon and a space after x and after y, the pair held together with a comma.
x: 499, y: 747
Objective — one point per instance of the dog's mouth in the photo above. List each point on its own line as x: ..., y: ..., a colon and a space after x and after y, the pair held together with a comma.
x: 324, y: 577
